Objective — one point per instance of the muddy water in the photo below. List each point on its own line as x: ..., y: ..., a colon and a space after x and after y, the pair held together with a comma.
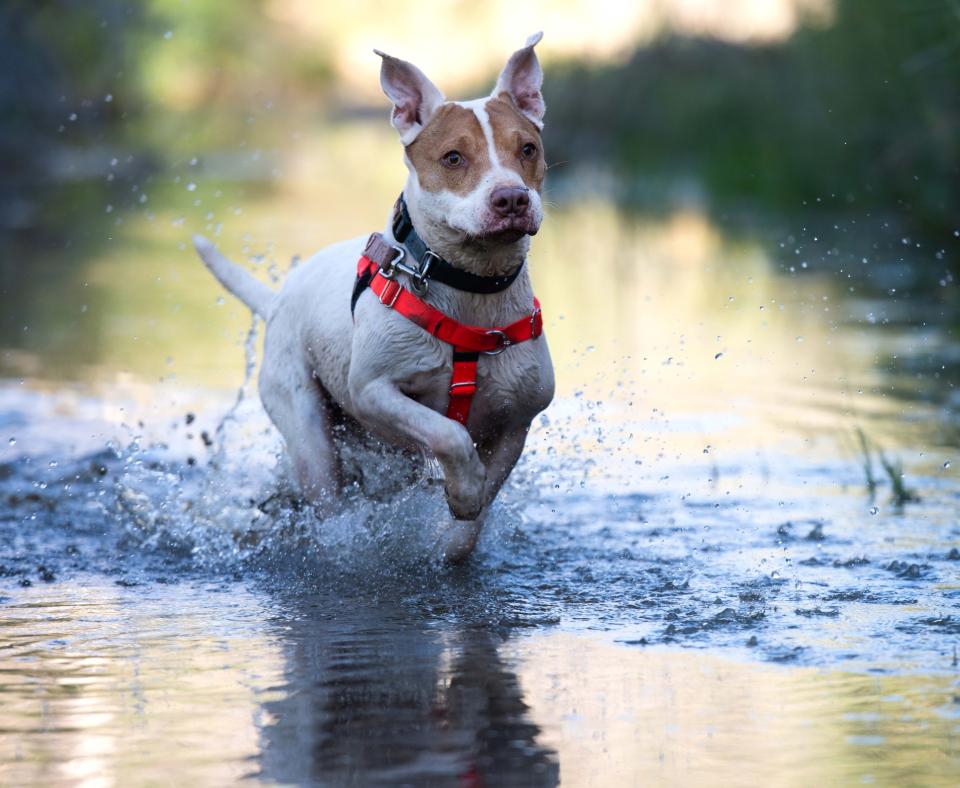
x: 729, y: 556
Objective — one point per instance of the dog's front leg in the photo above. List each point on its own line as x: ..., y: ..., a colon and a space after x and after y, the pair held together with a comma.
x: 382, y: 405
x: 498, y: 456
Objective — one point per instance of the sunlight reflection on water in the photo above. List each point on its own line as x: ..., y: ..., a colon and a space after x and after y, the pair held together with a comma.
x: 695, y: 493
x: 203, y: 682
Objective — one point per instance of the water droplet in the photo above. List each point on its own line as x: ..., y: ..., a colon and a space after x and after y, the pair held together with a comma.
x: 52, y: 464
x: 72, y: 117
x: 946, y: 464
x: 719, y: 355
x: 109, y: 209
x: 762, y: 308
x: 799, y: 339
x: 168, y: 35
x: 193, y: 162
x: 12, y: 441
x: 191, y: 187
x: 874, y: 510
x: 108, y: 98
x: 220, y: 301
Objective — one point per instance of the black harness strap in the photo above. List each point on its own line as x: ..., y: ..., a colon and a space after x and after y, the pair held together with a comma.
x: 439, y: 269
x: 361, y: 283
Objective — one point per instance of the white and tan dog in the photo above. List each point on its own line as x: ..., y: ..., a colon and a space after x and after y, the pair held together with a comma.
x: 473, y: 194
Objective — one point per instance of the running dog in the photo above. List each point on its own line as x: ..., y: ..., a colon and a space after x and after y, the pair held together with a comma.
x: 428, y: 334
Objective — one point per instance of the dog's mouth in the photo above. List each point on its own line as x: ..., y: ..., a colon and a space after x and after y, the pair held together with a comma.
x: 509, y: 230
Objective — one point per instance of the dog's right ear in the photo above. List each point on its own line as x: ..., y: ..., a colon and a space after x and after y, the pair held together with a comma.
x: 415, y: 98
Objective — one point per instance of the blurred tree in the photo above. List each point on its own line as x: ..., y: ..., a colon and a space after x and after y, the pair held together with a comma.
x: 864, y: 112
x: 63, y: 80
x: 82, y: 81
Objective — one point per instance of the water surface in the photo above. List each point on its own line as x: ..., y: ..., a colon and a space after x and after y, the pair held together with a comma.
x: 729, y: 555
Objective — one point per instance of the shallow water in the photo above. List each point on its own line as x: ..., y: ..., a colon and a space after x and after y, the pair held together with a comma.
x: 688, y: 579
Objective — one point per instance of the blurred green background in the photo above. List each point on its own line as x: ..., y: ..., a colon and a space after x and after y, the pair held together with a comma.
x: 128, y: 125
x: 855, y: 109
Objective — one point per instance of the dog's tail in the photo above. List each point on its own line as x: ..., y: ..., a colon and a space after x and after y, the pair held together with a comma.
x: 254, y: 293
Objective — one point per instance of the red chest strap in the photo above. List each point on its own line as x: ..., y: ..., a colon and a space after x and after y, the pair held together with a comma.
x: 468, y: 341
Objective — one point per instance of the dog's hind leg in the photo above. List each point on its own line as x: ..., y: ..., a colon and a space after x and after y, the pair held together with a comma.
x: 295, y: 403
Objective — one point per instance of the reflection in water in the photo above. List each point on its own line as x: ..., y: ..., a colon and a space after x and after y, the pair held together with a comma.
x: 376, y: 700
x: 106, y: 685
x: 194, y: 683
x: 656, y: 312
x: 694, y: 487
x: 691, y: 719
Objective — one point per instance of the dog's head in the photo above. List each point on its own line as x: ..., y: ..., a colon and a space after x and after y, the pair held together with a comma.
x: 476, y: 167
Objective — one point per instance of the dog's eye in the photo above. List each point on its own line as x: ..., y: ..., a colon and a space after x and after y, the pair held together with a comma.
x: 452, y: 158
x: 528, y: 151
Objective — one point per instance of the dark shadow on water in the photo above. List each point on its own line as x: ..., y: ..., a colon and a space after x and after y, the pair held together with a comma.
x: 374, y: 697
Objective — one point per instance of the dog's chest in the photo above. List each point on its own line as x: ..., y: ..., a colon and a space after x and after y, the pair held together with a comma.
x: 512, y: 386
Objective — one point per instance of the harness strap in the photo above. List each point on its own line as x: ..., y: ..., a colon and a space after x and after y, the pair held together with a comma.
x: 468, y: 341
x: 463, y: 384
x: 435, y: 267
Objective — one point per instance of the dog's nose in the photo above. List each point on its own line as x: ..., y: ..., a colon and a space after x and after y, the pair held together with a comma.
x: 510, y: 200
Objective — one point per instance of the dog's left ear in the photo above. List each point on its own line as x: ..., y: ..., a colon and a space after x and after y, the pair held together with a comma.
x: 522, y: 79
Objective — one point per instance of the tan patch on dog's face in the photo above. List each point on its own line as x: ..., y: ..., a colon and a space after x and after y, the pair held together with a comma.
x: 452, y: 129
x: 512, y: 136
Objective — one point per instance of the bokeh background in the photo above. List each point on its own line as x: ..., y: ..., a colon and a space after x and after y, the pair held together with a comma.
x: 738, y: 169
x: 731, y: 546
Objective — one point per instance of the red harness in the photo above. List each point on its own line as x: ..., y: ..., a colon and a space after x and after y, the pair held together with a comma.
x: 468, y: 341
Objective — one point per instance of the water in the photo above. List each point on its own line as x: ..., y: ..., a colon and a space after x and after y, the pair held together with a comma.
x: 707, y: 568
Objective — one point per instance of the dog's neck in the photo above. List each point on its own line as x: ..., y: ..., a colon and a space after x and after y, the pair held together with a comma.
x: 472, y: 308
x: 470, y: 254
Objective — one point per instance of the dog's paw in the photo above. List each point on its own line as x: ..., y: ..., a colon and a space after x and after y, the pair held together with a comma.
x: 458, y: 542
x: 465, y: 491
x: 465, y: 507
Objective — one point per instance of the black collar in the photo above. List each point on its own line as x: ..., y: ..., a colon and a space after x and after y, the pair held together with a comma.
x: 433, y: 266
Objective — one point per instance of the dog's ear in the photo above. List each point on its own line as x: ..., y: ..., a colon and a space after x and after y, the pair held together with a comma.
x: 415, y: 98
x: 522, y: 78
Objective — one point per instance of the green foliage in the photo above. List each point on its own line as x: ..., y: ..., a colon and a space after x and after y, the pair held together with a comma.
x: 863, y: 113
x: 900, y: 494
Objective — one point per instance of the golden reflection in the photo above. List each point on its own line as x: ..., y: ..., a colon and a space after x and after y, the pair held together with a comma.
x: 656, y: 315
x: 653, y: 717
x: 95, y: 694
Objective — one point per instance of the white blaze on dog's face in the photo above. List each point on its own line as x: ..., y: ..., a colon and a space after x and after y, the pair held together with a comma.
x: 477, y: 166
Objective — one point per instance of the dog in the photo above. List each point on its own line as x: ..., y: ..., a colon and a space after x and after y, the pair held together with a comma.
x: 427, y: 334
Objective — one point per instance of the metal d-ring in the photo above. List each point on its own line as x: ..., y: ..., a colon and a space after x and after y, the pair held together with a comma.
x: 503, y: 344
